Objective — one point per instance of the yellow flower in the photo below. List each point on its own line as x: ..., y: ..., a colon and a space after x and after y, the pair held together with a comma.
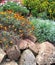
x: 1, y: 26
x: 13, y: 26
x: 15, y: 29
x: 2, y: 12
x: 6, y: 46
x: 20, y: 31
x: 0, y: 41
x: 11, y: 42
x: 50, y: 10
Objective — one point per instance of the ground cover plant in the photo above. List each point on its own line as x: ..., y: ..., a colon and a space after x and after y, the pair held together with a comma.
x: 44, y: 29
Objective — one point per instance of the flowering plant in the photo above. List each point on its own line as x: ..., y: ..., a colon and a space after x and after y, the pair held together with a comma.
x: 10, y: 21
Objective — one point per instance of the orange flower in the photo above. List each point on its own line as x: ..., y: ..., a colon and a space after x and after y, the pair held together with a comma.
x: 20, y: 31
x: 16, y: 15
x: 33, y: 27
x: 9, y: 11
x: 11, y: 42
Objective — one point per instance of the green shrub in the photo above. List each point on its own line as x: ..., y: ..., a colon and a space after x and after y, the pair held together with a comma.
x: 41, y: 6
x: 15, y: 7
x: 44, y: 29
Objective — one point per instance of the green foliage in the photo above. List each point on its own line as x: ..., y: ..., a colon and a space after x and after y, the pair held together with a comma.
x: 1, y: 8
x: 16, y: 7
x: 41, y: 6
x: 44, y: 30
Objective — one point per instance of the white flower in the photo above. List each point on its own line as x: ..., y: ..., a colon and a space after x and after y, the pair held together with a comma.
x: 0, y: 4
x: 8, y: 5
x: 5, y: 1
x: 24, y: 7
x: 18, y: 2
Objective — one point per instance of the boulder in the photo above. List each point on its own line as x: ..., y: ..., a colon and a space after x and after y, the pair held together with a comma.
x: 2, y: 55
x: 32, y: 38
x: 22, y: 44
x: 13, y: 52
x: 27, y: 58
x: 51, y: 58
x: 45, y: 52
x: 32, y: 46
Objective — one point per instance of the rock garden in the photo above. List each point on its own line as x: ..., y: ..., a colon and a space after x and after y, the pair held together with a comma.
x: 27, y: 32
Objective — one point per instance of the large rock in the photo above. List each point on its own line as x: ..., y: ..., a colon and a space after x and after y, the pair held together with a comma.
x: 51, y: 58
x: 13, y: 52
x: 46, y: 54
x: 2, y: 55
x: 32, y: 46
x: 23, y: 44
x: 32, y: 38
x: 9, y: 63
x: 27, y: 58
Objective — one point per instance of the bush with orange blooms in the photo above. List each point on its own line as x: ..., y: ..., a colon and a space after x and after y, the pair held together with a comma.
x: 10, y: 21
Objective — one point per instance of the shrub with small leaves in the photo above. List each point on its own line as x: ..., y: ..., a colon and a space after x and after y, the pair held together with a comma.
x: 44, y: 29
x: 13, y: 26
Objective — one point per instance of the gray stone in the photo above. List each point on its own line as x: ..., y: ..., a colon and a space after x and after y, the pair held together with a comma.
x: 27, y: 58
x: 9, y: 63
x: 2, y: 55
x: 51, y: 58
